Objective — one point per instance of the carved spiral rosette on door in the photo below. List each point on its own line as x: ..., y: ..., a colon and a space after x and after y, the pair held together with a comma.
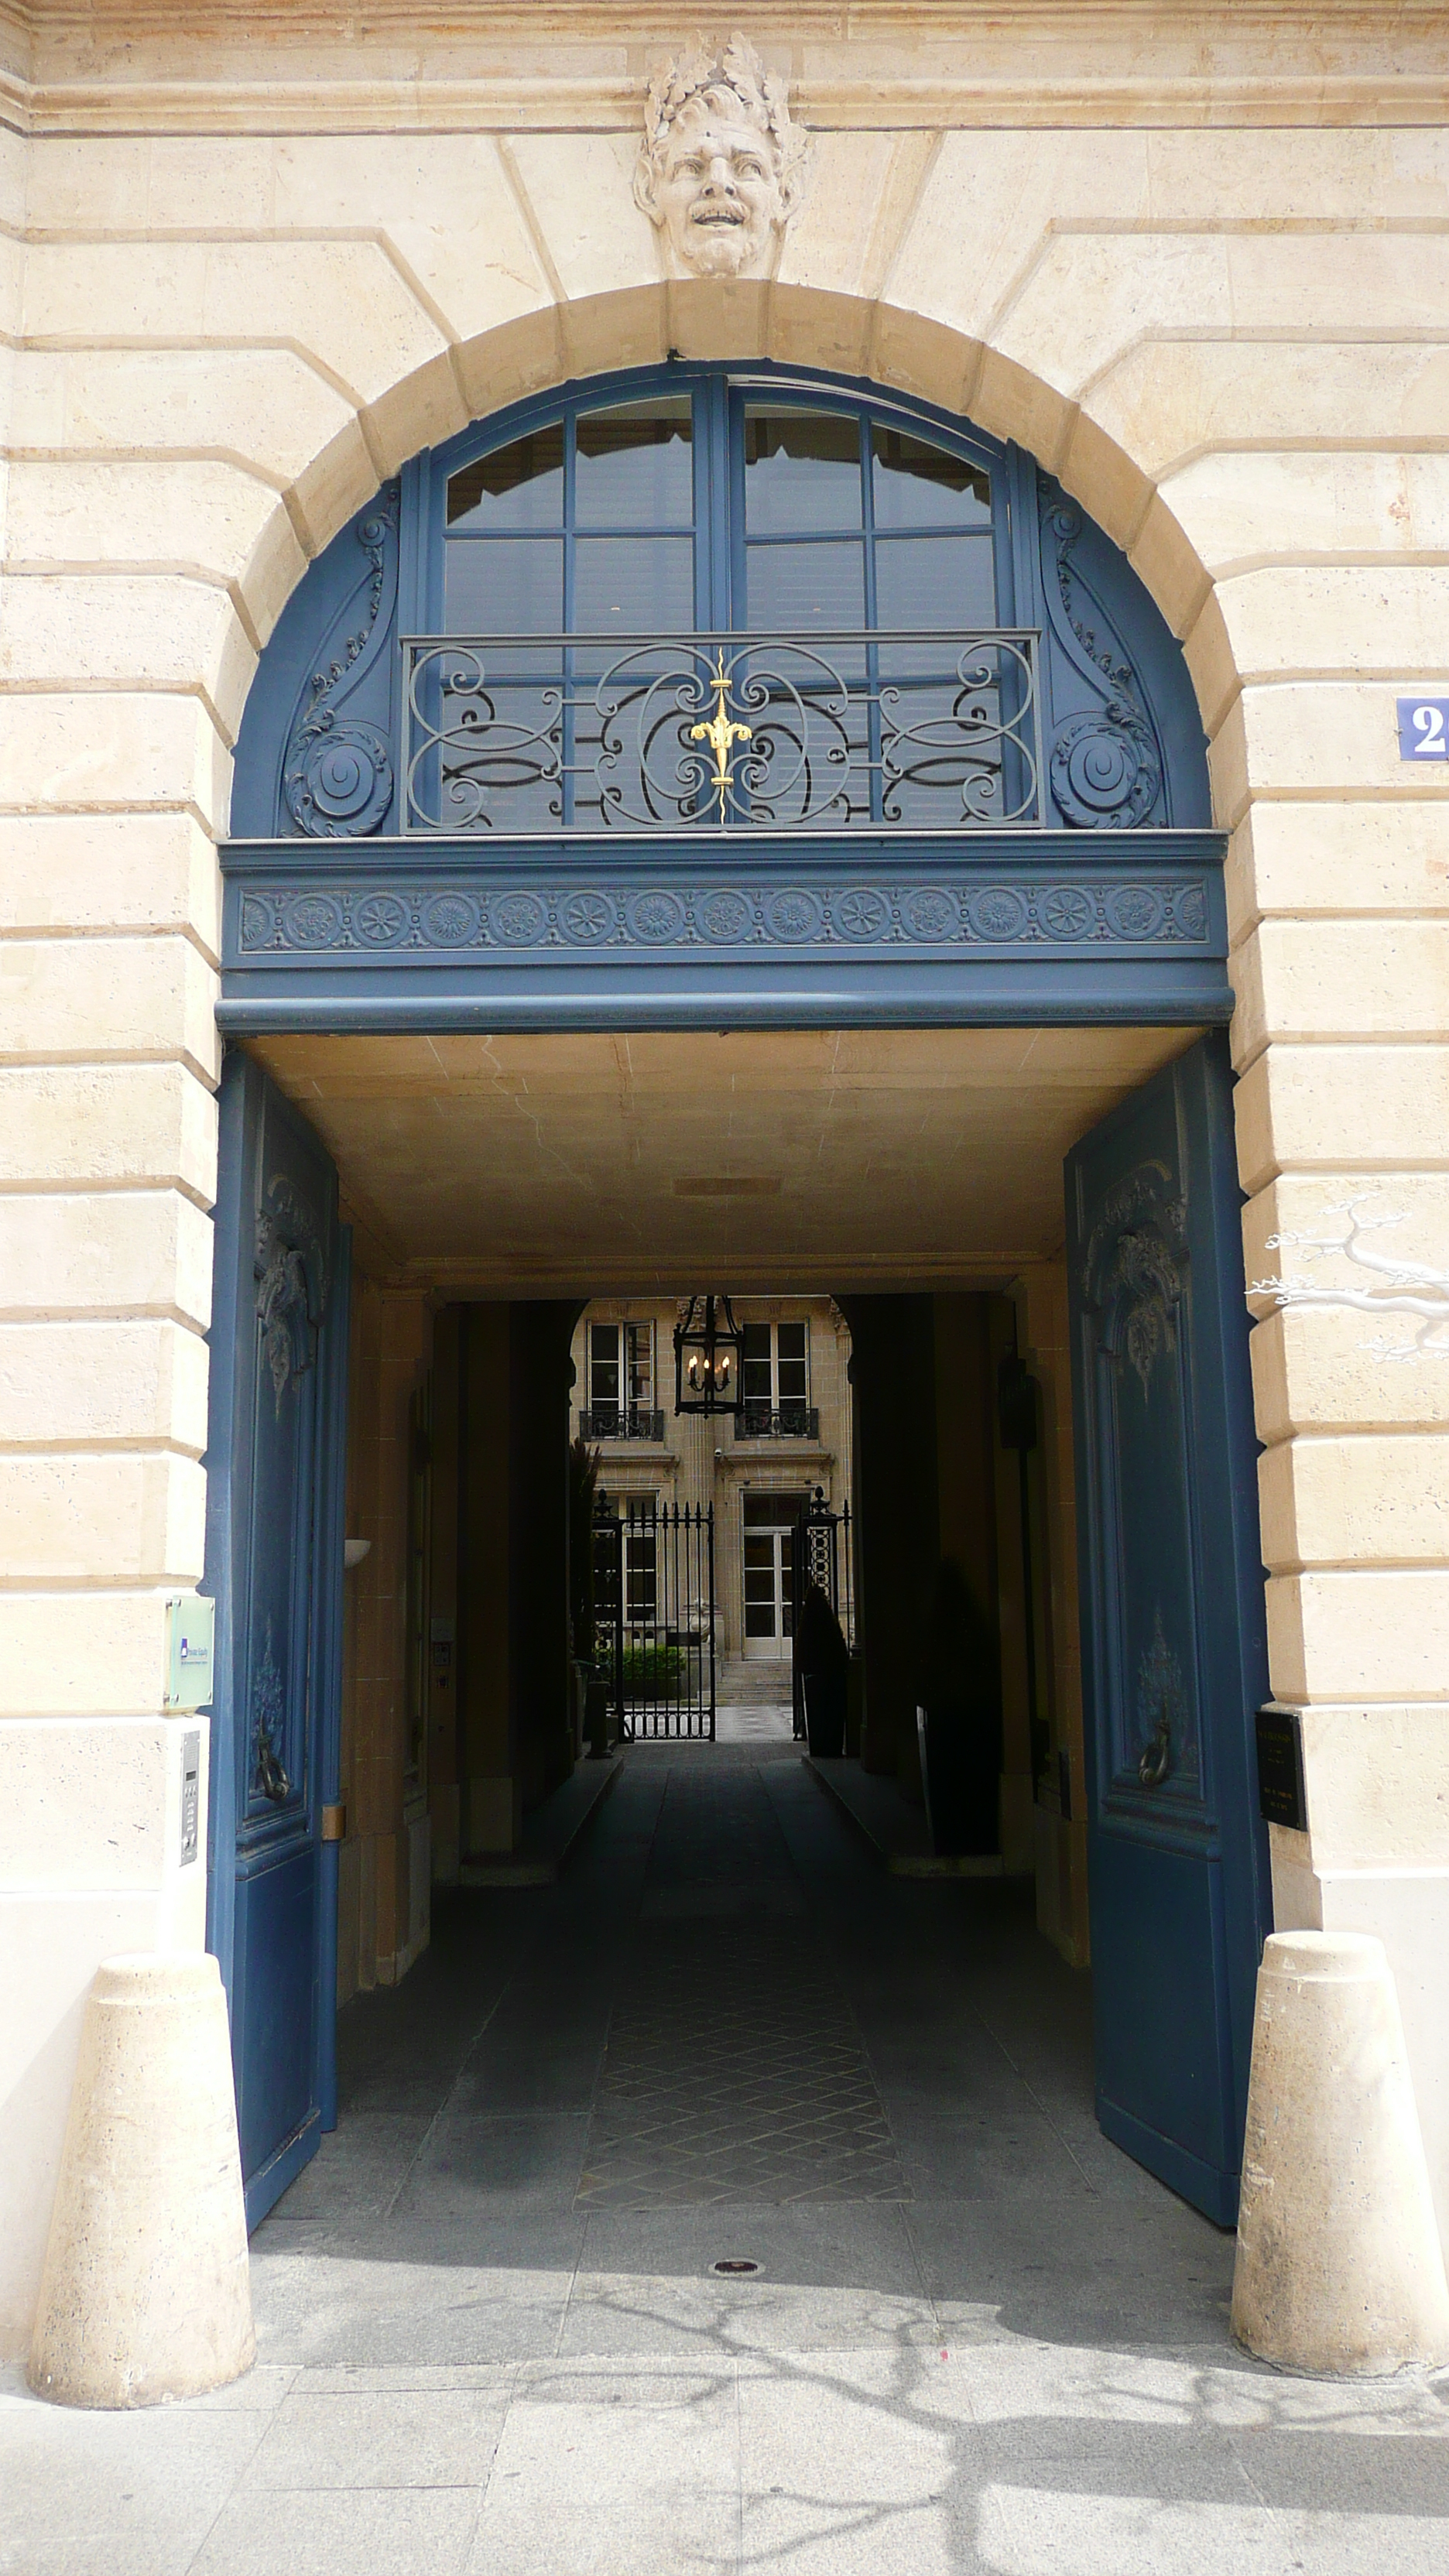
x: 337, y: 776
x: 1105, y: 766
x: 1105, y: 769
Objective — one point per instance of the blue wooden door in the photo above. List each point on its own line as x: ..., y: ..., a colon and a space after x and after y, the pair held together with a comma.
x: 274, y: 1562
x: 1172, y: 1623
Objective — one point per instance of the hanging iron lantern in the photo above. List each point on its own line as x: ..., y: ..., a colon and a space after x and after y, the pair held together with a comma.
x: 709, y: 1350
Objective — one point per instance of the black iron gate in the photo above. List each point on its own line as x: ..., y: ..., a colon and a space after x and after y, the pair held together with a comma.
x: 821, y: 1555
x: 654, y: 1616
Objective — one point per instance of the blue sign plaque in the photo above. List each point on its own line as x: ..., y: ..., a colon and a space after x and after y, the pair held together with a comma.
x: 1424, y: 728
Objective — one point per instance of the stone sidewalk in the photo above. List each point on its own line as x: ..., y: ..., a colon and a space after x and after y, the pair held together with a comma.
x: 1004, y: 2349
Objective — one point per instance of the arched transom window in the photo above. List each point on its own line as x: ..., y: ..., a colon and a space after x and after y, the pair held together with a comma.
x: 718, y: 507
x: 699, y: 599
x: 832, y: 567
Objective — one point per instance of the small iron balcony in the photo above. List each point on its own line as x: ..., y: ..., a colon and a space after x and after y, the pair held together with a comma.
x: 512, y: 735
x: 620, y: 1422
x: 790, y: 1422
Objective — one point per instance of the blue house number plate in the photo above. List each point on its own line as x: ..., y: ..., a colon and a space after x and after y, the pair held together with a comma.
x: 1424, y: 728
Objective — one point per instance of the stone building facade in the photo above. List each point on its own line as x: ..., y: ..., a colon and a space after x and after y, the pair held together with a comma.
x: 1193, y: 262
x: 752, y: 1469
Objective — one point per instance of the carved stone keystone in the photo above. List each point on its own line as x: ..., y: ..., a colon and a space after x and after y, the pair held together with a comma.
x: 721, y: 165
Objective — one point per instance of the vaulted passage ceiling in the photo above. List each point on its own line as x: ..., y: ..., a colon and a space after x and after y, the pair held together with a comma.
x: 800, y: 1159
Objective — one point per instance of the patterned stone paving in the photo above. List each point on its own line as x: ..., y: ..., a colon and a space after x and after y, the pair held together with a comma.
x: 734, y: 2070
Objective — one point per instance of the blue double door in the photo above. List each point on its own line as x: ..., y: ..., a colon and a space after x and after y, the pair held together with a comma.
x: 276, y: 1454
x: 1171, y: 1610
x: 1172, y: 1613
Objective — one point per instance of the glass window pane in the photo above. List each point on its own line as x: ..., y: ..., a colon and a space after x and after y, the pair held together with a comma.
x: 635, y: 585
x: 935, y: 581
x: 518, y: 486
x: 795, y: 588
x: 504, y: 585
x: 604, y: 1364
x: 802, y: 470
x: 755, y: 1376
x: 794, y: 1381
x: 917, y: 485
x: 639, y: 1353
x: 633, y: 466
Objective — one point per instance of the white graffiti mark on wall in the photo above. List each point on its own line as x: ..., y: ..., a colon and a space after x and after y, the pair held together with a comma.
x: 1407, y: 1287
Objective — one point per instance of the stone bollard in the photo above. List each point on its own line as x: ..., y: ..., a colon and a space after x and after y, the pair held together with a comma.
x: 1339, y: 2268
x: 146, y: 2293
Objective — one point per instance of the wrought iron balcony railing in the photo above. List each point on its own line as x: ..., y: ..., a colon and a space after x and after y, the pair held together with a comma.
x: 790, y: 1422
x: 520, y: 734
x: 620, y: 1422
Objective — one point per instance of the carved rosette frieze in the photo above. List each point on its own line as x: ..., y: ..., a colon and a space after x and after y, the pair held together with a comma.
x: 337, y: 775
x: 306, y: 919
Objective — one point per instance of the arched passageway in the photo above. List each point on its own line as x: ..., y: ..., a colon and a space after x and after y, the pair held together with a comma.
x: 709, y: 826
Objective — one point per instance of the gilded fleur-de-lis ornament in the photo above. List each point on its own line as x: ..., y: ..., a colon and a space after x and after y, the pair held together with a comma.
x: 721, y: 733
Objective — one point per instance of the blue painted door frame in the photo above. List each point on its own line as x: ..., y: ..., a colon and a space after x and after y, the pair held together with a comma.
x: 1174, y: 1657
x: 275, y: 1457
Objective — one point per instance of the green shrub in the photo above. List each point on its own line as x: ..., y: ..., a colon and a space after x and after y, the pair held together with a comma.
x: 654, y: 1672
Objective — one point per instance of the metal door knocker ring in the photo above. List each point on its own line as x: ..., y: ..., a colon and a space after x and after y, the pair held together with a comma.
x: 1156, y: 1760
x: 272, y: 1778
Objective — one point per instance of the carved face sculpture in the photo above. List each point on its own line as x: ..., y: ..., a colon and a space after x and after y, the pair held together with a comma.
x: 717, y: 190
x: 721, y: 163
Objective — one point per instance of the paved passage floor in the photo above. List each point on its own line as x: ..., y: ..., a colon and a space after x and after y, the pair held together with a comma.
x: 492, y: 2338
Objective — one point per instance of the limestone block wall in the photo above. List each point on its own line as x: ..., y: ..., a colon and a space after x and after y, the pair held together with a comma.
x: 248, y: 266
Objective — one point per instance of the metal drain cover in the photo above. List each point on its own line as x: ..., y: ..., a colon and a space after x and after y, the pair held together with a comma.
x: 732, y: 2265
